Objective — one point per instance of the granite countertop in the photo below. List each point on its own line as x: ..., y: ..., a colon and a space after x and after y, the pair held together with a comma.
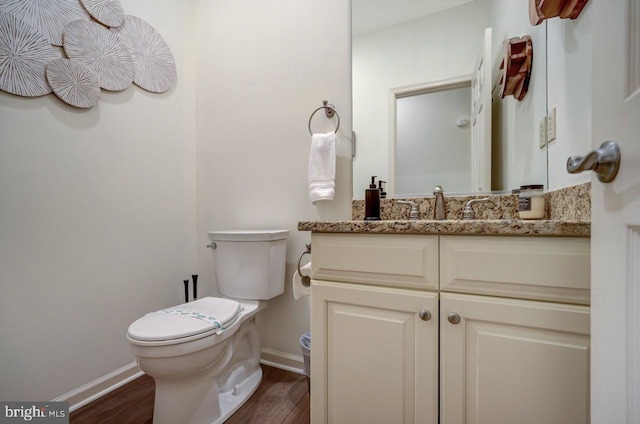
x: 495, y: 227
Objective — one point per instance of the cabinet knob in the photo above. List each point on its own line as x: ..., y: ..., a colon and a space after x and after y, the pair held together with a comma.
x: 424, y: 315
x: 453, y: 318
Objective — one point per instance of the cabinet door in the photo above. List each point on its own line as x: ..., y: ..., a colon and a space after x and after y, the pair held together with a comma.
x: 374, y: 359
x: 513, y: 361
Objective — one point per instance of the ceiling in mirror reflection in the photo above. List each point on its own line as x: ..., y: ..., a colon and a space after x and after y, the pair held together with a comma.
x: 369, y: 15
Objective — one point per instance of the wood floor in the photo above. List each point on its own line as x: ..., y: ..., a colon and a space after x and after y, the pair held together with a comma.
x: 281, y: 398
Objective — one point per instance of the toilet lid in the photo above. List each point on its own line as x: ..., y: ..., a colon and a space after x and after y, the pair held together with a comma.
x: 200, y: 316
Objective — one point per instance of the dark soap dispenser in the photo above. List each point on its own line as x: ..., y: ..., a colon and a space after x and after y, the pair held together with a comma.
x: 383, y: 194
x: 372, y: 202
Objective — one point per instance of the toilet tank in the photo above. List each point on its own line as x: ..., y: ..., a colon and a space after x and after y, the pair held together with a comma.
x: 250, y: 264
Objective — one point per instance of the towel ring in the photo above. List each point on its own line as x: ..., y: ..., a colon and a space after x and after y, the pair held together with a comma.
x: 306, y: 280
x: 330, y: 110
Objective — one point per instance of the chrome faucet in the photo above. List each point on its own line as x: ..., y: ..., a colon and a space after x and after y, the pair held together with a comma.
x: 414, y: 213
x: 439, y: 209
x: 468, y: 212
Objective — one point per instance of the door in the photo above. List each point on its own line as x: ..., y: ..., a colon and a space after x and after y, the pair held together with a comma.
x: 375, y: 358
x: 507, y: 361
x: 481, y: 118
x: 615, y: 233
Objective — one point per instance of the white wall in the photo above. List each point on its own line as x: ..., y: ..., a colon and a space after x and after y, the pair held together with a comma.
x: 433, y: 48
x: 570, y: 93
x: 516, y: 156
x: 97, y: 221
x: 262, y: 69
x: 568, y: 80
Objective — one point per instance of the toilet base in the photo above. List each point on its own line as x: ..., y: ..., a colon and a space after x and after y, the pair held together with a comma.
x: 205, y: 381
x: 232, y: 400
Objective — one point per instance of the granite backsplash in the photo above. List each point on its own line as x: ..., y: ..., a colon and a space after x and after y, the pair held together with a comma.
x: 566, y: 204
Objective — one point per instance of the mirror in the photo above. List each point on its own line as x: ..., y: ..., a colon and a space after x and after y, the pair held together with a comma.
x: 405, y: 52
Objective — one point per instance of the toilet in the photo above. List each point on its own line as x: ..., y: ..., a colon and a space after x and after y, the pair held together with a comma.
x: 204, y: 355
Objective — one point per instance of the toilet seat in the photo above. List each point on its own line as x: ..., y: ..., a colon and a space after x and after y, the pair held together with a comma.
x: 186, y: 322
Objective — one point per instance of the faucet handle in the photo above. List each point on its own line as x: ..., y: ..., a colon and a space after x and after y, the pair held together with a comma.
x: 414, y: 213
x: 468, y: 213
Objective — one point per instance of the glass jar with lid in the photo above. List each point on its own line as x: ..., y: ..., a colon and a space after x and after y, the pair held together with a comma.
x: 531, y: 203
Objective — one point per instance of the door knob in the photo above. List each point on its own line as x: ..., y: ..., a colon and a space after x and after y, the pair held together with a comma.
x: 453, y: 318
x: 424, y: 315
x: 604, y: 161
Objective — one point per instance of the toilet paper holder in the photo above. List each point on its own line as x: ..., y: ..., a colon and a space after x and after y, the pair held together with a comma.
x: 306, y: 280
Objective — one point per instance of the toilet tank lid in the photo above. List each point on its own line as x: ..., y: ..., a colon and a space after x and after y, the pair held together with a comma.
x: 248, y: 235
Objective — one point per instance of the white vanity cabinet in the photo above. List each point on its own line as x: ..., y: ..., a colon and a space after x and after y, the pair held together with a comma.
x: 374, y: 326
x: 450, y: 329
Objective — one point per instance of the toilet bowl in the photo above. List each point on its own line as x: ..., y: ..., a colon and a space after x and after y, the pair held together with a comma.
x: 205, y: 355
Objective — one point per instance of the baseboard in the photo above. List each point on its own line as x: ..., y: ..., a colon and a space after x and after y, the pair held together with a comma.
x: 282, y: 360
x: 95, y: 389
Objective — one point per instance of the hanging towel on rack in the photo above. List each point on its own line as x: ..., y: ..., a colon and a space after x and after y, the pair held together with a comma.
x: 322, y: 167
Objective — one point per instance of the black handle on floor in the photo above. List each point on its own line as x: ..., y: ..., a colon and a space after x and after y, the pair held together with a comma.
x: 195, y: 286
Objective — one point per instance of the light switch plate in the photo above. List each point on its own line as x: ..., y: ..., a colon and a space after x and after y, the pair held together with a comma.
x: 551, y: 125
x: 542, y: 133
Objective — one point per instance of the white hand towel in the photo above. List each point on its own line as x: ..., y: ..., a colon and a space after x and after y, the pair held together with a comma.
x: 298, y: 289
x: 322, y: 167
